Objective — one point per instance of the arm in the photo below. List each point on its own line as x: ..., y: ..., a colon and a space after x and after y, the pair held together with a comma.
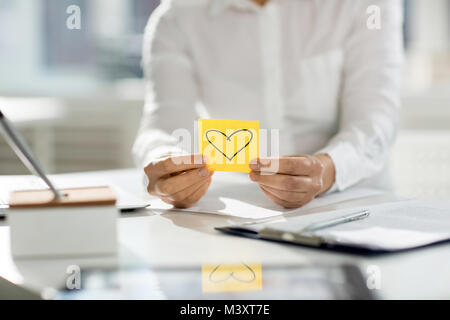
x: 369, y: 107
x: 171, y: 88
x: 370, y: 101
x: 171, y: 94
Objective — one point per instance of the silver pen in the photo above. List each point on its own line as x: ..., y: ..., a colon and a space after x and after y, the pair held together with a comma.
x: 336, y: 221
x: 23, y: 151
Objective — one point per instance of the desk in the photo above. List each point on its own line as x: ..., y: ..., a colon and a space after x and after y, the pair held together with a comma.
x: 174, y: 239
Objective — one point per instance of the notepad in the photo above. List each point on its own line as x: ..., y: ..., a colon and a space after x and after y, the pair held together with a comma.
x: 229, y: 145
x: 235, y: 195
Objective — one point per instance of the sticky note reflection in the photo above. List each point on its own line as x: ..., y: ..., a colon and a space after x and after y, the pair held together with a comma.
x: 229, y: 145
x: 228, y: 277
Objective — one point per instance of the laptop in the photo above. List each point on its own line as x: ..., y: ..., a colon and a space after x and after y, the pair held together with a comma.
x: 11, y: 291
x: 40, y: 180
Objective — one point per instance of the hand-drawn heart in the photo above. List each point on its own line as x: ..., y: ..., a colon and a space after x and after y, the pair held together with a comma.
x: 229, y: 139
x: 237, y: 274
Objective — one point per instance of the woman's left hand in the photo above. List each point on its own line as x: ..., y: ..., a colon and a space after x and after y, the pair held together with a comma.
x: 293, y: 181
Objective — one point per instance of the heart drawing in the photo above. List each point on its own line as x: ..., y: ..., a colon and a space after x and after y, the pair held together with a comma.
x: 228, y: 138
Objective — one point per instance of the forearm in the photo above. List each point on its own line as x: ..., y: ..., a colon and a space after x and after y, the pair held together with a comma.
x: 370, y: 102
x: 171, y: 91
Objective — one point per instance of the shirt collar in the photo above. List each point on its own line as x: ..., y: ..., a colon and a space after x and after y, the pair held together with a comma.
x: 218, y: 6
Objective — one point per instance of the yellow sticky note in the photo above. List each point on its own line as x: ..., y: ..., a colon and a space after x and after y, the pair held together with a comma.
x: 229, y: 145
x: 230, y: 277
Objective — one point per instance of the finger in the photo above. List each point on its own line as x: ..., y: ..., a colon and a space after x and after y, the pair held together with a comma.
x: 300, y: 166
x: 186, y: 192
x: 284, y: 203
x: 277, y: 200
x: 178, y: 164
x: 289, y: 196
x: 285, y: 182
x: 191, y: 199
x: 174, y: 184
x: 190, y: 191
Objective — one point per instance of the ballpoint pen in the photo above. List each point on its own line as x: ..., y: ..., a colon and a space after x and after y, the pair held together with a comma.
x: 336, y: 221
x: 23, y: 151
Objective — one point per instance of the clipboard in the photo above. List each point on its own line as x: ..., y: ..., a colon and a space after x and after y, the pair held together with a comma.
x: 392, y: 227
x: 317, y: 242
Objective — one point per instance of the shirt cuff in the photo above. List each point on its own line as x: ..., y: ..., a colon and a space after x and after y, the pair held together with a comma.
x: 333, y: 188
x: 162, y: 152
x: 345, y: 163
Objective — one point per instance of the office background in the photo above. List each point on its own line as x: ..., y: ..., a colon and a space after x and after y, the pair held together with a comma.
x: 77, y: 95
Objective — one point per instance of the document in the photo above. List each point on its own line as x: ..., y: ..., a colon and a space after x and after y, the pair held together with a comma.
x: 233, y: 194
x: 390, y: 226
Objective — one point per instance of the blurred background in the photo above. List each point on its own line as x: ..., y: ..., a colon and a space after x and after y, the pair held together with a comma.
x: 77, y: 95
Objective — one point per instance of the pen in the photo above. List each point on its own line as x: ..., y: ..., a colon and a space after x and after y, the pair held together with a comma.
x: 336, y: 221
x: 23, y: 151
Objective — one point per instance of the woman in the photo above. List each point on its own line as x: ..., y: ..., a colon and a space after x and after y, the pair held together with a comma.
x: 314, y: 69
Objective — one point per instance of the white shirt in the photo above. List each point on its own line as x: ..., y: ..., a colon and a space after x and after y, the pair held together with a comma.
x: 311, y: 68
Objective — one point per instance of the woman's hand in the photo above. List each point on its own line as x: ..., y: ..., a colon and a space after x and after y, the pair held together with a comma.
x: 179, y: 180
x: 295, y: 180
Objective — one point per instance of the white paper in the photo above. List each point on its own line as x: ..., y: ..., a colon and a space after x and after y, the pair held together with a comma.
x: 234, y: 194
x: 385, y: 238
x: 390, y: 226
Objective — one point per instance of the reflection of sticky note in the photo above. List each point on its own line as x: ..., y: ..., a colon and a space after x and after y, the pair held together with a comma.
x: 229, y: 145
x: 226, y: 277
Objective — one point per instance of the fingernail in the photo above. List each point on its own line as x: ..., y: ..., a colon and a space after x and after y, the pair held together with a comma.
x: 203, y: 172
x: 252, y: 176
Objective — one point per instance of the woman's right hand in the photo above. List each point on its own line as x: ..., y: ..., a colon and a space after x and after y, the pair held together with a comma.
x: 179, y: 180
